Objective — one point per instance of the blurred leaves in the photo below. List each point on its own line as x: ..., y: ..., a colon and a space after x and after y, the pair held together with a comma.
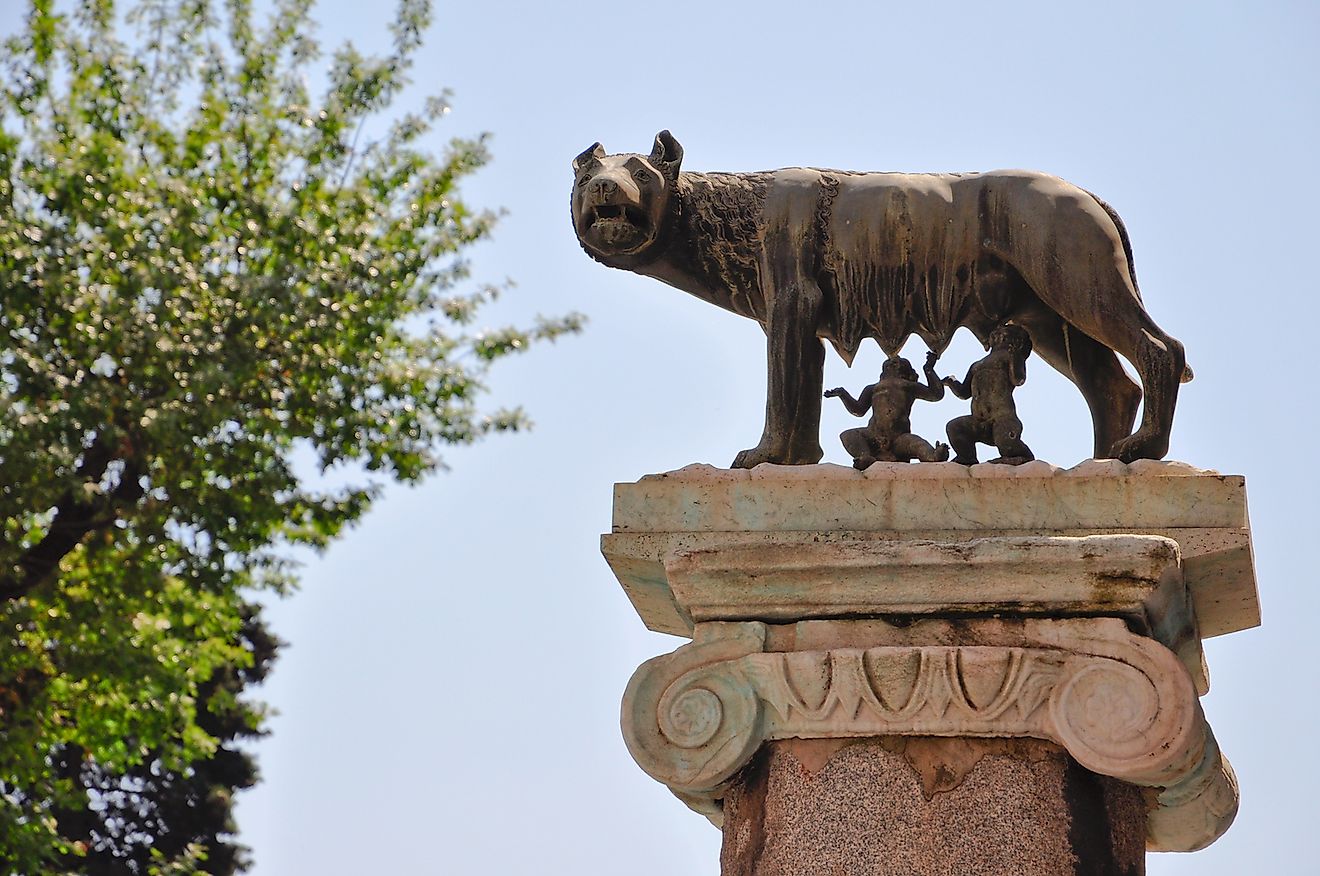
x: 213, y: 279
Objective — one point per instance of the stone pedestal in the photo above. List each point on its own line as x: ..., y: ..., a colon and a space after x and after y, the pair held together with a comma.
x: 926, y: 669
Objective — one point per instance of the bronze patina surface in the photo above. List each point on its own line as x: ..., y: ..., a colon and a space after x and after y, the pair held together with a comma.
x: 846, y: 256
x: 888, y: 436
x: 989, y: 384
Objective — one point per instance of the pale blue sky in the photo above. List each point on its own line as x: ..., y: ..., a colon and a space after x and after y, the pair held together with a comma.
x: 449, y: 700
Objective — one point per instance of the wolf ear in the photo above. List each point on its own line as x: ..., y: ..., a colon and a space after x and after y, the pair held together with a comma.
x: 594, y: 152
x: 667, y: 153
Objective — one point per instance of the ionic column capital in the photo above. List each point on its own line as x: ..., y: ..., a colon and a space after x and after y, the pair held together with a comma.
x: 1122, y: 705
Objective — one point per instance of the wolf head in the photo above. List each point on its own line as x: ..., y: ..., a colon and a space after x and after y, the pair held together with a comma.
x: 621, y: 203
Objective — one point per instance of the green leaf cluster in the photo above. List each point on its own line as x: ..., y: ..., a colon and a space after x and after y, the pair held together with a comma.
x: 213, y: 278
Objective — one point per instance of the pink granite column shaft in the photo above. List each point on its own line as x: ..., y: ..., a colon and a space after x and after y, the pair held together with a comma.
x: 898, y: 806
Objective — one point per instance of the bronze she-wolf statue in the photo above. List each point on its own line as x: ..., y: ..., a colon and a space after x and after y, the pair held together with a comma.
x: 846, y: 256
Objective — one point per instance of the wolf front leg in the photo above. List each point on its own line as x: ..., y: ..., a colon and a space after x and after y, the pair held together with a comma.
x: 795, y: 356
x: 795, y: 361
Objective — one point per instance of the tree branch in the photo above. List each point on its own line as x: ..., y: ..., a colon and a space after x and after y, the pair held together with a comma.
x: 76, y: 517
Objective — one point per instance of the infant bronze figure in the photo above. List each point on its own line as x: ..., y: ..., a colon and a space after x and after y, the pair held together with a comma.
x: 989, y: 384
x: 888, y: 436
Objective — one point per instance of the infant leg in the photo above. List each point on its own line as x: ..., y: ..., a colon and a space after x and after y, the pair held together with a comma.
x: 860, y: 446
x: 909, y: 446
x: 1008, y: 439
x: 962, y: 433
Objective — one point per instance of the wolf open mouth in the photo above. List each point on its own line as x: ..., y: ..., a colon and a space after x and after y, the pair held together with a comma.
x: 618, y: 224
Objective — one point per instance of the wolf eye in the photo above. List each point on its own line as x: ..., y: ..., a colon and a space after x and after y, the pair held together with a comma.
x: 582, y: 181
x: 641, y: 176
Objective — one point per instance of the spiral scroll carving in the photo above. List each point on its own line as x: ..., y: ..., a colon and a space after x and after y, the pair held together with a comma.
x: 1122, y: 706
x: 714, y: 717
x: 691, y: 719
x: 1105, y: 713
x: 1134, y: 718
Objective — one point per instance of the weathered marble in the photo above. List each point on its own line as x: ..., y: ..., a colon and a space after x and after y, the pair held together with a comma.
x: 783, y: 507
x: 1099, y: 494
x: 1121, y: 704
x: 1138, y: 577
x: 1005, y: 610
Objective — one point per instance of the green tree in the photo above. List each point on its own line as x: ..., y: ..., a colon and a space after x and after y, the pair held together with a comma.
x: 134, y: 818
x: 213, y: 278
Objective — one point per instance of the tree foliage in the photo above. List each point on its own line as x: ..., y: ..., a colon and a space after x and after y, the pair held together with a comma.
x: 152, y: 815
x: 214, y: 277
